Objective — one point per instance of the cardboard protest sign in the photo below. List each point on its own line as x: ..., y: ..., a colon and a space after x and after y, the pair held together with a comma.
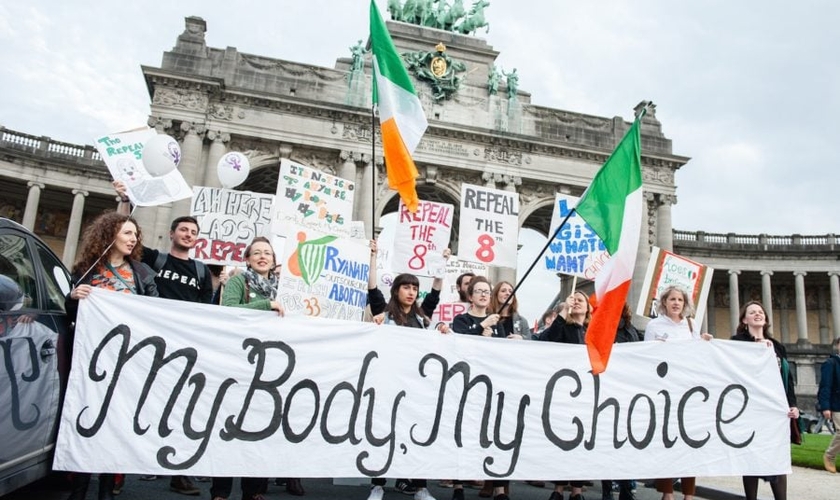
x: 324, y: 275
x: 123, y: 153
x: 577, y: 250
x: 450, y: 302
x: 313, y: 199
x: 170, y: 387
x: 489, y: 226
x: 421, y: 237
x: 228, y: 221
x: 669, y: 269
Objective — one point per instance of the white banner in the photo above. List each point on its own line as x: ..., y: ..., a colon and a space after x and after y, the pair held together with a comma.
x: 311, y: 198
x: 168, y: 387
x: 229, y: 220
x: 421, y: 237
x: 489, y: 226
x: 577, y: 250
x: 123, y: 153
x: 323, y: 275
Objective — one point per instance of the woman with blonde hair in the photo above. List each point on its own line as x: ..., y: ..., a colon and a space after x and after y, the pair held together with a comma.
x: 674, y: 323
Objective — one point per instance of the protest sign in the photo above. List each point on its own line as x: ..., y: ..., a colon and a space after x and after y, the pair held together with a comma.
x: 324, y: 275
x: 169, y: 387
x: 489, y: 226
x: 421, y: 237
x: 123, y: 153
x: 577, y: 250
x: 313, y: 199
x: 669, y: 269
x: 450, y: 302
x: 228, y: 221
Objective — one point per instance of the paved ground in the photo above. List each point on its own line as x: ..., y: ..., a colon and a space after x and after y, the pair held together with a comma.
x: 802, y: 484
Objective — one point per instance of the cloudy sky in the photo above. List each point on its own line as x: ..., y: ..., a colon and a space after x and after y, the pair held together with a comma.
x: 750, y: 90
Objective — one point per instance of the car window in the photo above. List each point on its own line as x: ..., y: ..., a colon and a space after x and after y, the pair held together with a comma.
x: 16, y: 264
x: 58, y: 282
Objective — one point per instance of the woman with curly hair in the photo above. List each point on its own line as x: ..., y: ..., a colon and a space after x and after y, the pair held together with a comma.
x: 109, y: 259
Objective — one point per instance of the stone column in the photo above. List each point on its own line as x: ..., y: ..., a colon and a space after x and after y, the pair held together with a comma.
x: 643, y: 252
x: 664, y: 230
x: 30, y: 214
x: 347, y: 170
x: 801, y: 311
x: 734, y: 299
x: 834, y: 286
x: 767, y: 294
x: 190, y: 163
x: 784, y: 314
x: 217, y: 150
x: 822, y: 314
x: 71, y: 242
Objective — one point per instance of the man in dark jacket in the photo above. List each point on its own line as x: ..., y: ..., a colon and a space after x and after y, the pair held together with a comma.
x: 829, y: 400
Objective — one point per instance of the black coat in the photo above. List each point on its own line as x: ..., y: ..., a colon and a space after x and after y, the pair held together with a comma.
x: 566, y: 333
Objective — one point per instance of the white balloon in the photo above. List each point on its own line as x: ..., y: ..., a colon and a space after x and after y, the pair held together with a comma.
x: 161, y: 155
x: 233, y: 169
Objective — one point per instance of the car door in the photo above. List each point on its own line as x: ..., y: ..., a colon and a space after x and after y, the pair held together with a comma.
x: 32, y: 324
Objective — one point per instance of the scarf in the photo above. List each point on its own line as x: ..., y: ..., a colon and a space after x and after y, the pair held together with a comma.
x: 267, y: 287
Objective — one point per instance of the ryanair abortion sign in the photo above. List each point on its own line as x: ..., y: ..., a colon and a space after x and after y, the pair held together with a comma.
x: 324, y: 275
x: 168, y: 387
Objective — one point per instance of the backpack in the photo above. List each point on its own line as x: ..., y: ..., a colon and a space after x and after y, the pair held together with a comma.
x: 200, y: 267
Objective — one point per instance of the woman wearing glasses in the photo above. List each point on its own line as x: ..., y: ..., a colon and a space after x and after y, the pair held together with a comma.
x: 255, y: 288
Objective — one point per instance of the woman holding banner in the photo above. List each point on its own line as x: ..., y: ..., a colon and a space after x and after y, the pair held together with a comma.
x: 570, y: 330
x: 110, y: 259
x: 675, y: 310
x: 479, y: 320
x: 753, y: 327
x: 255, y: 288
x: 510, y: 321
x: 401, y: 310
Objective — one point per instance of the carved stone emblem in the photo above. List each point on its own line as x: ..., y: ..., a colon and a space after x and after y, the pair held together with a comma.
x: 437, y: 69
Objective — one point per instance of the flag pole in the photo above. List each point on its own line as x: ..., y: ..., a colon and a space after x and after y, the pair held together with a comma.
x: 373, y: 170
x: 547, y: 244
x: 638, y: 116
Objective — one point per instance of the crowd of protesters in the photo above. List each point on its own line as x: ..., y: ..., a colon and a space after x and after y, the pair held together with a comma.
x: 112, y: 257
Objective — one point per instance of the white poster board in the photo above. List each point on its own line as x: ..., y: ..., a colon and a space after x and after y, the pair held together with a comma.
x: 324, y: 275
x: 311, y: 198
x: 123, y: 153
x: 669, y: 269
x: 228, y: 220
x: 169, y: 387
x: 421, y: 237
x: 577, y: 250
x: 489, y: 226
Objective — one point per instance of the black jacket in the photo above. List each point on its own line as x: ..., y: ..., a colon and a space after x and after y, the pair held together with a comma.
x: 566, y: 333
x: 144, y: 280
x: 828, y: 396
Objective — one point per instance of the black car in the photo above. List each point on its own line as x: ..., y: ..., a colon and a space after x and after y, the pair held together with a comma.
x: 34, y: 346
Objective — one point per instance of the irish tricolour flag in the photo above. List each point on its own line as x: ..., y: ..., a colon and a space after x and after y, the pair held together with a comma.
x: 612, y: 206
x: 400, y: 114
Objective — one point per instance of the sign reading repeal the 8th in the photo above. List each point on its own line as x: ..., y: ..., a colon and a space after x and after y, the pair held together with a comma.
x: 489, y: 226
x: 421, y: 237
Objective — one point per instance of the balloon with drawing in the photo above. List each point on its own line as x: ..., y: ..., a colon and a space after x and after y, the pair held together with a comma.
x: 161, y: 155
x: 233, y: 169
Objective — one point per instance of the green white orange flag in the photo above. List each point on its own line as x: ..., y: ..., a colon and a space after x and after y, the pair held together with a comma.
x: 612, y: 206
x: 400, y: 113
